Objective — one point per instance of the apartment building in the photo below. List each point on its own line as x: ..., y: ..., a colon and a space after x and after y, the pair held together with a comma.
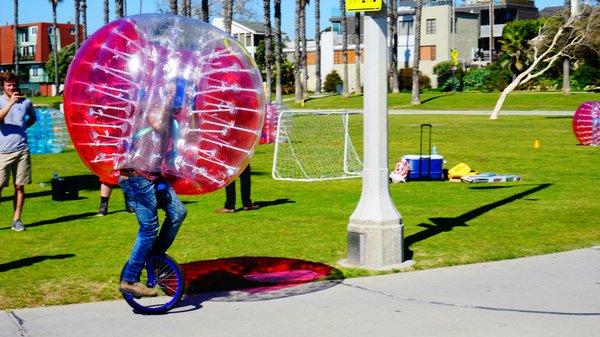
x: 35, y: 46
x: 248, y: 33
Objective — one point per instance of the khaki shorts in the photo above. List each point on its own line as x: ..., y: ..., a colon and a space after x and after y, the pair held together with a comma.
x: 16, y: 164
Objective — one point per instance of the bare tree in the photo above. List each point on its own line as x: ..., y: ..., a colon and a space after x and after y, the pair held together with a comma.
x: 415, y: 97
x: 77, y: 4
x: 277, y: 7
x: 393, y: 28
x: 105, y: 10
x: 317, y: 47
x: 344, y: 48
x: 358, y: 89
x: 17, y: 54
x: 268, y: 45
x: 555, y: 40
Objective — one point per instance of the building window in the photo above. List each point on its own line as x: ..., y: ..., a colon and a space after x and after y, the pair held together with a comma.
x: 33, y: 30
x: 50, y: 30
x: 430, y: 28
x: 24, y: 37
x: 35, y: 72
x: 72, y: 31
x: 428, y: 53
x: 248, y: 40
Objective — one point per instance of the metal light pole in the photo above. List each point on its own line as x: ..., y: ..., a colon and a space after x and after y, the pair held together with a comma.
x: 375, y: 230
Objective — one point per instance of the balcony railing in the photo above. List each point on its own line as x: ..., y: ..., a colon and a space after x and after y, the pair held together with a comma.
x: 27, y: 57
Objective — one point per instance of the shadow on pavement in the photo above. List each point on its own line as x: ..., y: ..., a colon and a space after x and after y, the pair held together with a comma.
x: 447, y: 224
x: 253, y: 278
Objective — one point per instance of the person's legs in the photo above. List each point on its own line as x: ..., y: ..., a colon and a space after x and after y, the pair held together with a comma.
x: 175, y: 213
x: 141, y: 195
x: 246, y: 190
x: 22, y: 177
x: 18, y: 202
x: 230, y: 196
x: 105, y: 191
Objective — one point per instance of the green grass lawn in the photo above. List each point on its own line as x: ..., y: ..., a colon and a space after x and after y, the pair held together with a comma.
x: 67, y: 255
x: 433, y: 100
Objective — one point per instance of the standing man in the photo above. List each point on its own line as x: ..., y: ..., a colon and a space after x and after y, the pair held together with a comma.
x: 16, y: 115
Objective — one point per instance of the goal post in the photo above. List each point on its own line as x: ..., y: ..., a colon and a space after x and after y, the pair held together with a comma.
x: 314, y: 145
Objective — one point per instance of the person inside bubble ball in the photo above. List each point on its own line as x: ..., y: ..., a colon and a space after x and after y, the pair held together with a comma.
x: 16, y: 115
x: 145, y: 189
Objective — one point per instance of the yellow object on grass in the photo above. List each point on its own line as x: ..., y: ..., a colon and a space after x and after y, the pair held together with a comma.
x: 460, y: 170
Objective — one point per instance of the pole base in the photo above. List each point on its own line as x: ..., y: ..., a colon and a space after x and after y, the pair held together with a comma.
x: 399, y: 266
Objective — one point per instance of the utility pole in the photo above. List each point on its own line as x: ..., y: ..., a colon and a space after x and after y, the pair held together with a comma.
x: 375, y: 229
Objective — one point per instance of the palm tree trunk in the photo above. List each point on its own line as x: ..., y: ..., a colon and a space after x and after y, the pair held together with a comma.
x: 415, y: 99
x: 393, y: 22
x: 204, y: 10
x: 491, y: 10
x: 304, y: 54
x: 317, y: 47
x: 84, y: 18
x: 278, y: 98
x: 358, y: 89
x: 106, y: 11
x: 344, y: 48
x: 566, y: 87
x: 228, y: 14
x: 55, y: 45
x: 17, y: 54
x: 268, y: 45
x: 119, y: 8
x: 77, y: 4
x: 173, y: 4
x: 297, y: 61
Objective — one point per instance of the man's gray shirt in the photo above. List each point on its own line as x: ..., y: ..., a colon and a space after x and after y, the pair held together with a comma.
x: 12, y: 132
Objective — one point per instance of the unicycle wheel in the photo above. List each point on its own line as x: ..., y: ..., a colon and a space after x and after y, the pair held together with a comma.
x: 163, y: 273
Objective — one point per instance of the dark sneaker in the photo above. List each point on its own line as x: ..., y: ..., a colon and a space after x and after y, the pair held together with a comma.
x: 103, y: 210
x: 17, y: 225
x: 137, y: 289
x: 251, y: 207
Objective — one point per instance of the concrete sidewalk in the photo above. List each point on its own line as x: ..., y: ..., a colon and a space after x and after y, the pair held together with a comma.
x: 549, y: 295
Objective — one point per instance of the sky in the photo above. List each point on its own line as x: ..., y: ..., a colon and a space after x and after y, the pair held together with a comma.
x: 35, y: 11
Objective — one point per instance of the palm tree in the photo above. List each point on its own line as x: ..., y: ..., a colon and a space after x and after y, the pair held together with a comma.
x: 119, y: 8
x: 491, y: 18
x: 17, y: 56
x: 204, y: 10
x: 566, y: 87
x: 318, y: 48
x: 54, y: 3
x: 228, y: 14
x: 344, y: 47
x: 105, y: 10
x: 277, y: 5
x: 358, y: 89
x: 297, y: 61
x: 304, y: 54
x: 268, y: 45
x: 77, y: 4
x: 84, y: 17
x: 415, y: 99
x: 393, y: 22
x: 173, y: 4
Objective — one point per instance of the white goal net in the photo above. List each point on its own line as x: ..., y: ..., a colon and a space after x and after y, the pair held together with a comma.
x: 314, y: 146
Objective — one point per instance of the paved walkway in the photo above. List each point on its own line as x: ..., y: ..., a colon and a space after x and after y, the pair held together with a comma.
x: 549, y: 295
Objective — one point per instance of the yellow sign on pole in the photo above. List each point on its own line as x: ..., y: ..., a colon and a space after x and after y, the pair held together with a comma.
x: 363, y: 5
x: 454, y: 55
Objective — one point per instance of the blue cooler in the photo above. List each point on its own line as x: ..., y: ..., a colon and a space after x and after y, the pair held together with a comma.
x: 419, y: 166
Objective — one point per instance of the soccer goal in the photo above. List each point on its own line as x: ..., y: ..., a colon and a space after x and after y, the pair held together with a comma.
x: 314, y: 146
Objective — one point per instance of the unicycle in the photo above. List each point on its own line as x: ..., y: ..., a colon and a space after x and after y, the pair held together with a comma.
x: 162, y: 272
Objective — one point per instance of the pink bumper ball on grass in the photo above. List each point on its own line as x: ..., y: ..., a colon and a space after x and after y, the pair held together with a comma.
x: 586, y: 123
x: 159, y: 92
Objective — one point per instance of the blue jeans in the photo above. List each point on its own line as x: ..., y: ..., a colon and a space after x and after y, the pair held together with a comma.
x: 145, y: 198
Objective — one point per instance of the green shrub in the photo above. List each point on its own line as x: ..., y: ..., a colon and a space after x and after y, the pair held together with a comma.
x: 585, y: 76
x: 444, y: 72
x: 487, y: 79
x: 331, y: 81
x: 405, y: 80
